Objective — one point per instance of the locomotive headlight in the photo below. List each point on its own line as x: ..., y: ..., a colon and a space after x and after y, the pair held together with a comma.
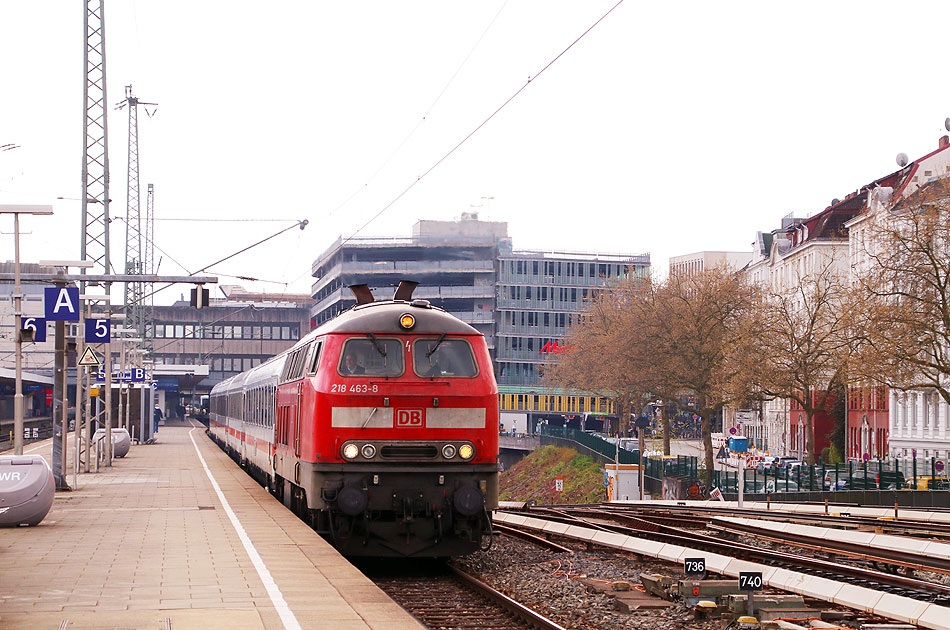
x: 350, y: 451
x: 466, y: 451
x: 368, y: 451
x: 448, y: 451
x: 407, y: 321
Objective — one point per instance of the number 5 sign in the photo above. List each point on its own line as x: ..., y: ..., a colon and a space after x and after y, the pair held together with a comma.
x: 98, y: 330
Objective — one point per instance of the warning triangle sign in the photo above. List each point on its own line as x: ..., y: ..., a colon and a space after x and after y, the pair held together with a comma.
x: 89, y: 358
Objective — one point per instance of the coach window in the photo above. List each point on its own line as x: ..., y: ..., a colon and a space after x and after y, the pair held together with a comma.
x: 441, y: 357
x: 375, y: 356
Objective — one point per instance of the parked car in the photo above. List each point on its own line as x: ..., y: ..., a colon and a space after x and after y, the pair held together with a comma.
x: 890, y: 480
x: 858, y: 480
x: 781, y: 485
x: 757, y: 486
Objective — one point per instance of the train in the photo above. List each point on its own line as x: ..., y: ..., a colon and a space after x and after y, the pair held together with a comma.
x: 379, y: 428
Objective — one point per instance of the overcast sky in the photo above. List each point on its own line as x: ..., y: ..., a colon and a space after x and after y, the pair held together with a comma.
x: 669, y: 128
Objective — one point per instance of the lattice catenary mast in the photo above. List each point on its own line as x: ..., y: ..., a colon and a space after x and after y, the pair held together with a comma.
x: 136, y: 234
x: 95, y: 166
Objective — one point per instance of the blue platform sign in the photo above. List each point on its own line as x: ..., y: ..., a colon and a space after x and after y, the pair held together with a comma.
x: 136, y: 375
x: 61, y: 304
x: 38, y: 324
x: 98, y: 330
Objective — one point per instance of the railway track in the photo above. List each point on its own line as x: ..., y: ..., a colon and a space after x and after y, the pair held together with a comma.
x: 444, y: 597
x: 690, y: 516
x: 862, y: 576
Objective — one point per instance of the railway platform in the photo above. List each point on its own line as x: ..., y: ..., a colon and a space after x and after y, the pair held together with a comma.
x: 176, y: 535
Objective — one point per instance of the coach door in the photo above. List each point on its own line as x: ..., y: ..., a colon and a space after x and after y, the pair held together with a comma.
x: 297, y: 406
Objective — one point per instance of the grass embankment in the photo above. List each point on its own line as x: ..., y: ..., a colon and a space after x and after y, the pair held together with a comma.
x: 533, y: 478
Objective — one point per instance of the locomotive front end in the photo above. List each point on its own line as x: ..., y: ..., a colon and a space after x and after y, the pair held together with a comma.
x: 405, y: 457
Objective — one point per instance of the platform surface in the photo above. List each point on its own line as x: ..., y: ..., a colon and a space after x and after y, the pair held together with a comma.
x: 149, y: 544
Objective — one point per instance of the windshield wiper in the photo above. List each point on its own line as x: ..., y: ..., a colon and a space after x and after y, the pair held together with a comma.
x: 437, y: 344
x: 379, y: 347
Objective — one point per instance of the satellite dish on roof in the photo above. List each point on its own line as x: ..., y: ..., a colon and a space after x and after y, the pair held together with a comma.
x: 902, y: 158
x: 946, y: 124
x: 835, y: 201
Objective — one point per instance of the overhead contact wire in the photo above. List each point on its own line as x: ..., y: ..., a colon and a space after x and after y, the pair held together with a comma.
x: 482, y: 124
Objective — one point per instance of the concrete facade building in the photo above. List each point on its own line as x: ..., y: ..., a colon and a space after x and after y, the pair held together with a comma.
x: 233, y: 334
x: 453, y: 262
x: 694, y: 263
x: 522, y: 301
x: 539, y: 295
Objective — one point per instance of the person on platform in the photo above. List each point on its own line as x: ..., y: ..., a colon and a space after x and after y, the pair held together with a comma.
x: 351, y: 365
x: 157, y: 416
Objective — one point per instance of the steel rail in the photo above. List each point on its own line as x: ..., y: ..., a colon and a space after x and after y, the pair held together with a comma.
x: 875, y: 554
x: 906, y: 526
x: 909, y: 587
x: 519, y: 610
x: 540, y: 541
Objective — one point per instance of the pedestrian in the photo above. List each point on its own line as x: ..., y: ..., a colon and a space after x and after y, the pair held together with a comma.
x: 157, y: 416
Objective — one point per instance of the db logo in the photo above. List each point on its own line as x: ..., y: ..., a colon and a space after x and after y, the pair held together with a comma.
x: 409, y: 417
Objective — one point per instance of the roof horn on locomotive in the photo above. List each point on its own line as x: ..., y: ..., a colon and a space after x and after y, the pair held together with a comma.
x: 365, y: 296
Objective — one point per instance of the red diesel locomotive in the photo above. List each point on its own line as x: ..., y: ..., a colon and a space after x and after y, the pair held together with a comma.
x: 379, y: 428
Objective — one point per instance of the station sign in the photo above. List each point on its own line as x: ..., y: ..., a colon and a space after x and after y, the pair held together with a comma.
x: 131, y: 375
x: 61, y: 304
x: 98, y: 330
x: 37, y: 325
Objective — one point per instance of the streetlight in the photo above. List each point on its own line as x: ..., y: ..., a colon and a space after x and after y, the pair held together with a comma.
x: 16, y: 211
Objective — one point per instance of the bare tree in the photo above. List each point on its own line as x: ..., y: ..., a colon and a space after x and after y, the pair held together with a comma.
x: 800, y: 343
x: 599, y: 358
x: 694, y: 324
x: 905, y: 285
x: 671, y: 340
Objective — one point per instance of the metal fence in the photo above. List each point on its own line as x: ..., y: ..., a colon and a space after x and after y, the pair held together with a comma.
x: 896, y: 474
x: 604, y: 450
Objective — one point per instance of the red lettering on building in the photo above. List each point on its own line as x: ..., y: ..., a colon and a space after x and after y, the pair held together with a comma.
x: 553, y: 348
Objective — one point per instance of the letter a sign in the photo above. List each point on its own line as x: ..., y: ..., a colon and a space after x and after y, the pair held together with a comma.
x: 61, y: 304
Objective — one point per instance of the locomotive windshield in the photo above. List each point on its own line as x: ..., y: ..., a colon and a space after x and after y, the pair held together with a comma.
x: 375, y: 356
x: 443, y: 357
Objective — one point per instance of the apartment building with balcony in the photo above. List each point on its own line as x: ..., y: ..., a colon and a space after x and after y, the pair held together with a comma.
x: 538, y: 296
x: 522, y: 301
x: 453, y: 262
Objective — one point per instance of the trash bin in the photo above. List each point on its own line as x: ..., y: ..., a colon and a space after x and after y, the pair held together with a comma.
x: 121, y: 441
x: 26, y: 490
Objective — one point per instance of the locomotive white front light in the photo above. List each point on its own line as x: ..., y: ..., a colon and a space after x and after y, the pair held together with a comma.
x: 350, y: 451
x: 407, y: 321
x: 466, y: 451
x: 448, y: 451
x: 369, y: 451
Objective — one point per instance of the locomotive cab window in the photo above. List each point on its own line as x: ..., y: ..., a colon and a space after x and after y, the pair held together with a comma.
x: 443, y: 358
x: 371, y: 356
